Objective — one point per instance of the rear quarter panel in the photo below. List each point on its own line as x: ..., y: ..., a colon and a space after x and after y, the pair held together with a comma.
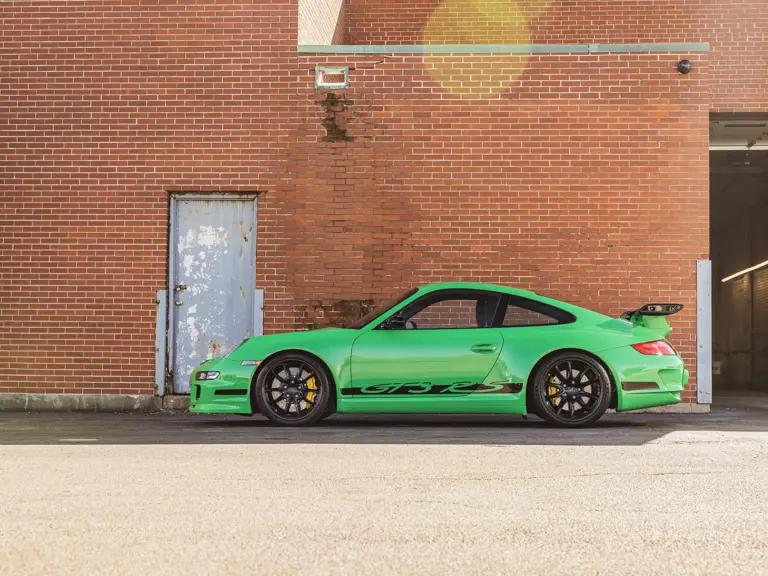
x: 525, y: 346
x: 606, y: 338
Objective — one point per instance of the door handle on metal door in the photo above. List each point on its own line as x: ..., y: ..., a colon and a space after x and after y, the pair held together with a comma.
x: 483, y: 348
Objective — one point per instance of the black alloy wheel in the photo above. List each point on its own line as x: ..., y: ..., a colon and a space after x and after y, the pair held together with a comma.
x: 292, y: 390
x: 571, y: 390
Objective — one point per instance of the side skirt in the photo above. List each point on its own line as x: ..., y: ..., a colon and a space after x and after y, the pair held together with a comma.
x: 489, y: 404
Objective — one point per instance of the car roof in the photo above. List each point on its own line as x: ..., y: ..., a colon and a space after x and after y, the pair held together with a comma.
x: 476, y: 286
x: 578, y: 311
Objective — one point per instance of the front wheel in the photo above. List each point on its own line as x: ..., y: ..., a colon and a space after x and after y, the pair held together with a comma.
x: 570, y: 390
x: 293, y: 390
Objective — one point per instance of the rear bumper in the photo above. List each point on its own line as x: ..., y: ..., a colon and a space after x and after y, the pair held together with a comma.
x: 644, y: 381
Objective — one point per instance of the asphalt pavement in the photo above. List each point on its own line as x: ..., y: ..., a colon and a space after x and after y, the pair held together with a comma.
x: 159, y: 494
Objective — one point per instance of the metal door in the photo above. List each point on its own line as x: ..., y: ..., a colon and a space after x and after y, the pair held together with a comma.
x: 212, y: 279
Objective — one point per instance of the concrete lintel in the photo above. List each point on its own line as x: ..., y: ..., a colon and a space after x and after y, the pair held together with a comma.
x: 681, y: 47
x: 651, y: 48
x: 24, y: 402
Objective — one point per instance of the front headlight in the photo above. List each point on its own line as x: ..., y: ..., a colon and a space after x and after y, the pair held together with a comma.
x: 207, y: 375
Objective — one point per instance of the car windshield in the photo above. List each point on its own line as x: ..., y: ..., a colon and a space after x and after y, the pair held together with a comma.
x: 379, y: 310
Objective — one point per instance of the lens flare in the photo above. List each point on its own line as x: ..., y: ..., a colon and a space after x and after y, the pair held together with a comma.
x: 477, y: 22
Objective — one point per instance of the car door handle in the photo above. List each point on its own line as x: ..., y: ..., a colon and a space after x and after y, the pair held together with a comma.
x: 483, y: 348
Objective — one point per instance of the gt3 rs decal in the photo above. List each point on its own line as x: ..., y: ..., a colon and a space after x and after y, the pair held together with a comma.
x: 425, y: 388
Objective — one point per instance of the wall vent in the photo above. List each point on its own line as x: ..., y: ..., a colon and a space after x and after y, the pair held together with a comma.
x: 332, y: 77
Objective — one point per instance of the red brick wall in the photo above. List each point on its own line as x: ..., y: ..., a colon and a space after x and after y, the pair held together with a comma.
x: 105, y: 106
x: 577, y: 182
x: 321, y: 21
x: 573, y: 180
x: 737, y: 31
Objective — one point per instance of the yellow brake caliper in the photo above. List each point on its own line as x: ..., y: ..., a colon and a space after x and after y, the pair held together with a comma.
x: 311, y: 385
x: 552, y: 390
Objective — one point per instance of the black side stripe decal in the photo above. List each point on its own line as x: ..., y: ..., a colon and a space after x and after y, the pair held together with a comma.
x: 427, y: 388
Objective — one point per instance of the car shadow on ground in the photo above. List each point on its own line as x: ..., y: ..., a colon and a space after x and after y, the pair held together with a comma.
x: 611, y: 430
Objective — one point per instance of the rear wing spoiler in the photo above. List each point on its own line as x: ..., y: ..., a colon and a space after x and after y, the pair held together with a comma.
x: 653, y: 310
x: 652, y: 316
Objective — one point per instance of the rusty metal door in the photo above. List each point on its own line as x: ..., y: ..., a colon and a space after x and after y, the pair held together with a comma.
x: 212, y: 280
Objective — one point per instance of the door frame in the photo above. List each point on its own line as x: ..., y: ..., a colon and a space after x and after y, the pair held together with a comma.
x: 173, y: 227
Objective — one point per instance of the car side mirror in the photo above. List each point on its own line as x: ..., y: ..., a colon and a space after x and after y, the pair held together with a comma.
x: 396, y: 322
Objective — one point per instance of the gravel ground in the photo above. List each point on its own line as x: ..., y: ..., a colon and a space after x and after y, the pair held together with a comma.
x: 640, y: 494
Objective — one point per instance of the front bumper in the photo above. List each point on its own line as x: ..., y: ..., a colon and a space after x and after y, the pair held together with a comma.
x: 645, y: 381
x: 228, y: 394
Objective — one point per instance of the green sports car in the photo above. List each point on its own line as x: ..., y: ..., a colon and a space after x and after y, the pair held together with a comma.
x: 454, y: 348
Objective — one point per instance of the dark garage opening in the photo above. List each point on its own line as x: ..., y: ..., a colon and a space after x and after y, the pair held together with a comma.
x: 738, y: 242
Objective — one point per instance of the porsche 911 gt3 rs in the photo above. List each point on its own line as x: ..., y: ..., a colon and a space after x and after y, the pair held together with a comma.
x: 454, y: 348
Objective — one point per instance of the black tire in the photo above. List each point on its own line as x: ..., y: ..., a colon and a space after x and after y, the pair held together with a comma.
x: 570, y: 390
x: 293, y: 389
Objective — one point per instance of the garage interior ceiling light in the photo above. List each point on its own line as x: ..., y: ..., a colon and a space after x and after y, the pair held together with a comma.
x: 755, y: 267
x: 752, y: 148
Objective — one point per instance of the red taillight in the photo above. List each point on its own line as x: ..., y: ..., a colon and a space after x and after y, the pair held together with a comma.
x: 655, y: 348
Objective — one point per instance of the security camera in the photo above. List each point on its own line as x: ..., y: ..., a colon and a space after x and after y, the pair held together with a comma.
x: 684, y: 66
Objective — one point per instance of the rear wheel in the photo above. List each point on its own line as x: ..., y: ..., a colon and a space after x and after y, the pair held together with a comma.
x: 571, y: 390
x: 293, y: 390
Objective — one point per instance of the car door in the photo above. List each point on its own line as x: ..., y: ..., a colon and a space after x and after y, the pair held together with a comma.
x: 443, y: 346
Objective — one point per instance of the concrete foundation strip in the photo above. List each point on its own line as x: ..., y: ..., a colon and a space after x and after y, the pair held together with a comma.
x: 682, y: 47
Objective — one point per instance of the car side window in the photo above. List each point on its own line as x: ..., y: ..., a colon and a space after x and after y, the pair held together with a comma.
x: 452, y: 310
x: 523, y: 312
x: 518, y: 316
